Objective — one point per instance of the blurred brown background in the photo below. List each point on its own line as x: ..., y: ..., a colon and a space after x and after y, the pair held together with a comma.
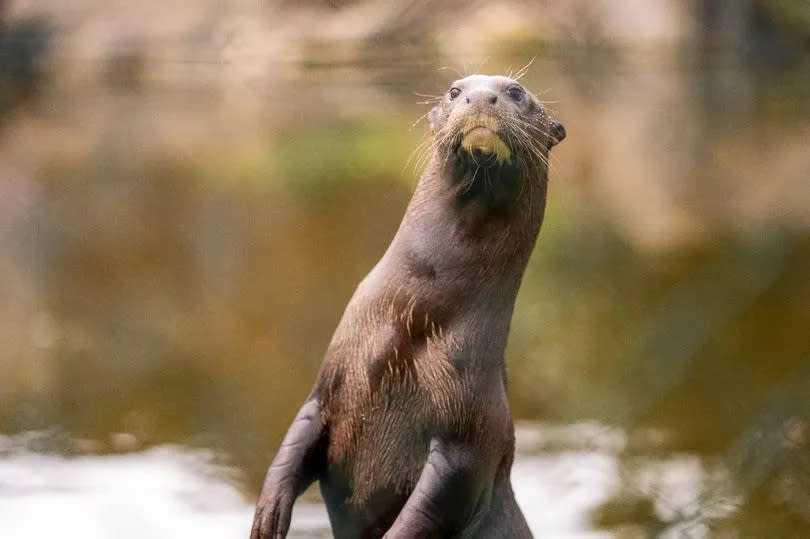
x: 190, y: 191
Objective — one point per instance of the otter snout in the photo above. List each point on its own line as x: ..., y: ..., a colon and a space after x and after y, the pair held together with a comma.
x: 482, y: 97
x: 479, y: 118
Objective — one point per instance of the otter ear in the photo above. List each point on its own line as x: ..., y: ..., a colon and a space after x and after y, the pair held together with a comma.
x: 434, y: 116
x: 556, y: 133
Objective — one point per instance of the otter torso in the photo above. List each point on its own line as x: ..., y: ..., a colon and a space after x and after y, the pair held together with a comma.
x: 419, y: 352
x: 408, y: 427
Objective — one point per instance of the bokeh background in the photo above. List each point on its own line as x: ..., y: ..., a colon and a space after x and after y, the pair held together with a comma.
x: 190, y: 191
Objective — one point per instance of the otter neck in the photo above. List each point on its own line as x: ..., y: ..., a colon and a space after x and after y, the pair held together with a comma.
x: 484, y: 218
x: 454, y: 251
x: 461, y: 262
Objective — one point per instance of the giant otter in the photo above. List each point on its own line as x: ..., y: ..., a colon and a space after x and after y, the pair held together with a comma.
x: 408, y: 427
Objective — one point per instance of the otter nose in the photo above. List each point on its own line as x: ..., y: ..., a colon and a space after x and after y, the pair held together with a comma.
x: 482, y: 97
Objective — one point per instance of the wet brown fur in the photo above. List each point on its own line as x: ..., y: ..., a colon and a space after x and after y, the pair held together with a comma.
x: 392, y: 375
x: 418, y: 353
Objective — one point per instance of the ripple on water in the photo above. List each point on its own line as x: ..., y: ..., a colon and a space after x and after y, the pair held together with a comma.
x: 173, y: 491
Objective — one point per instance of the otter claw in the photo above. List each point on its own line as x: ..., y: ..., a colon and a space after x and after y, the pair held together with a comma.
x: 272, y: 520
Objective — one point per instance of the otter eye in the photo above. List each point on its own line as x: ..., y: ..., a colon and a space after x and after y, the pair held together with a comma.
x: 515, y: 92
x: 454, y: 93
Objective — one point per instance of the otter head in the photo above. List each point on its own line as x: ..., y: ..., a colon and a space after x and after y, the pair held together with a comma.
x: 492, y: 122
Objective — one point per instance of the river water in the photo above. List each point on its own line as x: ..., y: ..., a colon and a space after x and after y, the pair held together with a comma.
x: 170, y: 490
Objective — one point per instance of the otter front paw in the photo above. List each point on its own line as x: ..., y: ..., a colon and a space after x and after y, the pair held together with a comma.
x: 273, y: 513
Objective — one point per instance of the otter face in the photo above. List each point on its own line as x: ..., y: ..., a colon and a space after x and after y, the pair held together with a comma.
x: 493, y: 120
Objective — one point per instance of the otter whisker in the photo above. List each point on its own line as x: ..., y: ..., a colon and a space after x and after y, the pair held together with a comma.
x: 529, y: 142
x: 551, y: 166
x: 420, y: 154
x: 426, y: 141
x: 483, y: 61
x: 523, y: 123
x: 424, y: 160
x: 422, y: 117
x: 447, y: 68
x: 425, y: 157
x: 470, y: 183
x: 518, y: 128
x: 525, y: 69
x: 542, y: 155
